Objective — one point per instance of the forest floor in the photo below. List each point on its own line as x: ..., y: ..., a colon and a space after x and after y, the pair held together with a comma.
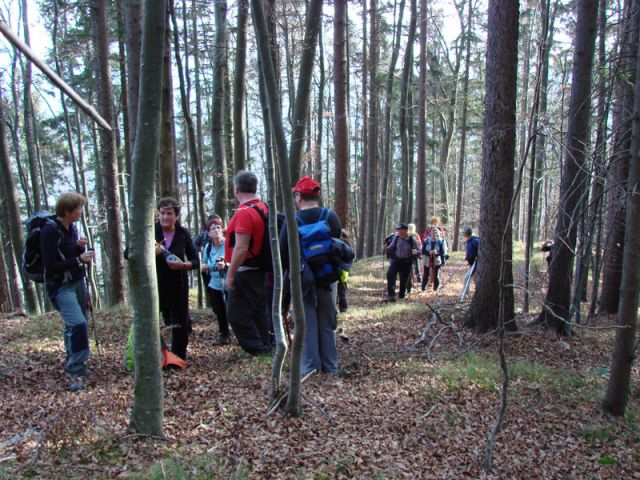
x: 395, y: 411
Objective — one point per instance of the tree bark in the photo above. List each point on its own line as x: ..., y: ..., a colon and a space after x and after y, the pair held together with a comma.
x: 11, y: 204
x: 238, y: 86
x: 493, y: 300
x: 421, y: 192
x: 619, y: 166
x: 217, y: 108
x: 573, y: 186
x: 147, y: 412
x: 113, y: 238
x: 341, y: 129
x: 617, y: 395
x: 133, y: 44
x: 167, y: 160
x: 405, y: 106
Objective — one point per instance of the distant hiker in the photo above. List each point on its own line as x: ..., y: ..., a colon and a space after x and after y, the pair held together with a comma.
x: 472, y: 243
x: 319, y: 351
x: 175, y: 256
x: 343, y: 305
x: 547, y: 246
x: 434, y: 250
x: 201, y: 241
x: 213, y: 263
x: 248, y: 254
x: 64, y: 256
x: 435, y: 222
x: 401, y: 251
x: 415, y: 262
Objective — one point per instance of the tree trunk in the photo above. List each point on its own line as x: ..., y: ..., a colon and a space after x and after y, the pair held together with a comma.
x: 167, y: 161
x: 6, y: 303
x: 364, y: 162
x: 463, y: 130
x: 341, y: 132
x: 11, y: 204
x: 617, y: 394
x: 405, y: 105
x: 619, y: 166
x: 303, y: 89
x: 113, y: 238
x: 217, y: 115
x: 133, y: 43
x: 573, y: 185
x: 238, y: 86
x: 147, y: 412
x: 191, y: 134
x: 27, y: 105
x: 421, y: 192
x: 386, y: 158
x: 493, y: 300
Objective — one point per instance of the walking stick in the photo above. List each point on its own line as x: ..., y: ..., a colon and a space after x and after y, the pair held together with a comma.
x: 467, y: 281
x: 93, y: 320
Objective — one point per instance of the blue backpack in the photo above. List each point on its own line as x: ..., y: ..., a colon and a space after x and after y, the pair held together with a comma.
x: 326, y: 256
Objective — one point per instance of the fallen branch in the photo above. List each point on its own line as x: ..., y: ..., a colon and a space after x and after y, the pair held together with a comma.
x: 425, y: 332
x: 429, y: 412
x: 280, y: 398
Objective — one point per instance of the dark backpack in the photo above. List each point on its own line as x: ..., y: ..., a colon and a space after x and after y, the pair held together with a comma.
x: 262, y: 259
x: 31, y: 255
x: 326, y: 256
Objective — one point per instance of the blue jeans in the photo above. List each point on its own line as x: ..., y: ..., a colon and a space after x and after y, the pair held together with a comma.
x: 319, y: 350
x: 70, y: 300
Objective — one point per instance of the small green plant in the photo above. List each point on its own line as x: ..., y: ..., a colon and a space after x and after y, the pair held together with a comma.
x: 596, y: 434
x: 471, y: 368
x: 607, y: 460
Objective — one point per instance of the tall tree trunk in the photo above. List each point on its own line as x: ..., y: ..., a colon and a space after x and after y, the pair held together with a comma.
x: 238, y: 86
x: 124, y: 167
x: 303, y: 89
x: 191, y: 134
x: 493, y: 302
x: 341, y: 132
x: 386, y: 158
x: 314, y: 12
x: 27, y: 106
x: 6, y: 302
x: 372, y: 149
x: 217, y: 108
x: 148, y: 401
x: 619, y: 166
x: 133, y: 44
x: 11, y: 204
x: 573, y: 185
x: 167, y: 160
x: 406, y: 180
x: 617, y: 394
x: 421, y: 191
x: 463, y: 130
x: 364, y: 162
x: 113, y: 238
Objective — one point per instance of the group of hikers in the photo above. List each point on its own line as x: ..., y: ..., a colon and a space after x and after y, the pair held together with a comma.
x: 235, y: 263
x: 405, y: 249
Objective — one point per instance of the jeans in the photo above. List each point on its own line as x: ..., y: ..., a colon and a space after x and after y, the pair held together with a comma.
x: 319, y: 351
x: 70, y: 300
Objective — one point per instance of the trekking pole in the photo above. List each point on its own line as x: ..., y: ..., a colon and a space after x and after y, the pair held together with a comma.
x: 93, y: 320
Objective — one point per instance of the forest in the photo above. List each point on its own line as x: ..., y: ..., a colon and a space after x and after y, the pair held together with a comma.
x: 517, y: 120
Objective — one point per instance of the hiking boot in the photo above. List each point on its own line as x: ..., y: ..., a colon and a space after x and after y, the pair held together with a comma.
x: 390, y: 299
x: 77, y: 383
x: 221, y: 339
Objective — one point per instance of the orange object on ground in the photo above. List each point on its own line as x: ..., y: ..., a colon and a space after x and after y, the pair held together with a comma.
x: 171, y: 360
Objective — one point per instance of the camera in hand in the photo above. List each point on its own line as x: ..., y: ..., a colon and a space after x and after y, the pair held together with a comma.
x: 168, y: 256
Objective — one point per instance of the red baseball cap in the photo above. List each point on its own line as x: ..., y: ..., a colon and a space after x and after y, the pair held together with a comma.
x: 307, y: 186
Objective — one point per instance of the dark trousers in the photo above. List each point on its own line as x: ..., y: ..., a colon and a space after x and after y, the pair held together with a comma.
x: 178, y: 319
x: 342, y: 296
x: 219, y: 307
x: 436, y: 277
x: 247, y: 311
x: 398, y: 267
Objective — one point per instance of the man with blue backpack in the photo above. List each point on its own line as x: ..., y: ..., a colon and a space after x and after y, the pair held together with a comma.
x: 319, y: 230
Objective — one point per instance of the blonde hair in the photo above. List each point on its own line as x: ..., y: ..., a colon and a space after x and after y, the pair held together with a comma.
x: 68, y: 202
x: 412, y: 228
x: 434, y: 220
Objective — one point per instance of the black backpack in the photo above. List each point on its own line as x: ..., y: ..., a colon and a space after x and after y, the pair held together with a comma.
x: 262, y: 259
x: 31, y: 255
